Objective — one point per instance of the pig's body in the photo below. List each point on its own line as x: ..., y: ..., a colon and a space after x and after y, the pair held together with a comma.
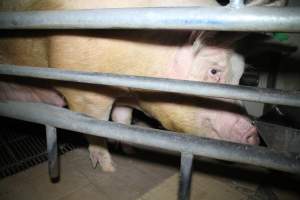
x: 168, y: 54
x: 28, y: 93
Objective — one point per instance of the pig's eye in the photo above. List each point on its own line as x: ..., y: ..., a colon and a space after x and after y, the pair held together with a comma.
x: 213, y: 71
x: 215, y: 74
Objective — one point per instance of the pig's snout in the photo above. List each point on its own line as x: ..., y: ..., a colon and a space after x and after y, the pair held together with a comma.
x: 251, y: 137
x: 247, y: 131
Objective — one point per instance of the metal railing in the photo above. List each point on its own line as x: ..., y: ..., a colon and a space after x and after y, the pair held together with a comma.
x: 235, y: 17
x: 65, y: 119
x: 202, y: 18
x: 196, y: 88
x: 187, y: 145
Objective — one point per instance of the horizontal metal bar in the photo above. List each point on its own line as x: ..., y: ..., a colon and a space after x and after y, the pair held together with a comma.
x: 204, y: 18
x: 167, y: 140
x: 291, y: 98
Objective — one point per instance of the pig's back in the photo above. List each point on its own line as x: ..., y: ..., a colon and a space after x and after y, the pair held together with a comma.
x: 125, y: 52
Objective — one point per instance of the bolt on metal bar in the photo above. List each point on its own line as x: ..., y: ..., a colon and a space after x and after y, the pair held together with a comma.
x: 272, y: 96
x: 236, y: 3
x: 284, y: 19
x: 166, y: 140
x: 53, y: 166
x: 186, y: 165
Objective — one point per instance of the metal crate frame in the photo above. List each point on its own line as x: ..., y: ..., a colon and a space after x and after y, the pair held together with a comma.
x: 236, y: 17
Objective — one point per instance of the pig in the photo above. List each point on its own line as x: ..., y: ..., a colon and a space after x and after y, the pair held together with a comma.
x: 185, y: 55
x: 28, y: 93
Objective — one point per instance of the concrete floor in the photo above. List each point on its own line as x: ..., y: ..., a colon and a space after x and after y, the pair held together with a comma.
x: 79, y: 180
x: 146, y: 176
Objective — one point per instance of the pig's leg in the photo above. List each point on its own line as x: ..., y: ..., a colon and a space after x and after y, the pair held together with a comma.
x: 123, y: 115
x: 100, y: 154
x: 98, y: 106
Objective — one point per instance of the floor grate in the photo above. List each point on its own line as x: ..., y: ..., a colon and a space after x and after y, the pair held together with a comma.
x: 23, y: 145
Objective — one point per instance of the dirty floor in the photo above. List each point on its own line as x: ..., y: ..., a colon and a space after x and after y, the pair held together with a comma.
x: 79, y: 180
x: 146, y: 176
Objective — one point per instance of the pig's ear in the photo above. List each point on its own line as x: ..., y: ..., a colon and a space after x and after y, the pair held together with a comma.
x: 200, y: 39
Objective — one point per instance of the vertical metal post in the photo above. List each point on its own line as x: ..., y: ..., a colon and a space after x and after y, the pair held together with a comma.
x: 236, y: 3
x: 186, y: 165
x: 53, y: 167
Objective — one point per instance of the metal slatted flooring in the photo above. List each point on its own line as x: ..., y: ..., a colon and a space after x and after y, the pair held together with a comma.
x: 23, y: 145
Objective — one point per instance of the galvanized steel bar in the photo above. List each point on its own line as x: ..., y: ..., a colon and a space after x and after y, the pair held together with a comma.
x: 291, y: 98
x: 186, y: 165
x: 167, y: 140
x: 53, y: 166
x: 204, y: 18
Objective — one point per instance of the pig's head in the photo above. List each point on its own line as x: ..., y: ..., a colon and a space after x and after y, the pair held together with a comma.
x: 200, y: 60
